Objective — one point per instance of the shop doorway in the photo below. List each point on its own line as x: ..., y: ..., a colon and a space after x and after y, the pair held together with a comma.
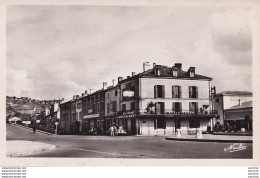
x: 133, y: 126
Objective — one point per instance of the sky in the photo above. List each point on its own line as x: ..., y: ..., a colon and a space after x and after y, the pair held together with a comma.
x: 56, y: 52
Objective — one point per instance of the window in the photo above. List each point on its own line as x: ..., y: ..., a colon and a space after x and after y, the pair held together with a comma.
x: 157, y: 72
x: 217, y: 100
x: 176, y: 107
x: 192, y: 74
x: 132, y: 106
x: 113, y: 106
x: 123, y: 107
x: 176, y: 91
x: 193, y: 92
x: 194, y: 107
x: 116, y: 93
x: 159, y: 108
x: 174, y: 73
x: 159, y: 123
x: 108, y: 108
x: 159, y: 91
x: 107, y: 95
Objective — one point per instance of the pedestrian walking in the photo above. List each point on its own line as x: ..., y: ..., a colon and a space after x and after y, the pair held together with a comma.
x: 34, y: 129
x: 112, y: 131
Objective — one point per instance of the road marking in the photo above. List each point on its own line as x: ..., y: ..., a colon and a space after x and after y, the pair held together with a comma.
x: 103, y: 152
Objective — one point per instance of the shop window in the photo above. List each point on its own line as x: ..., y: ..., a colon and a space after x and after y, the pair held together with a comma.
x: 217, y: 100
x: 159, y: 91
x: 194, y: 123
x: 159, y: 123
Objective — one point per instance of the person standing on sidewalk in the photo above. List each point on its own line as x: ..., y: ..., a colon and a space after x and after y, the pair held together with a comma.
x: 112, y: 131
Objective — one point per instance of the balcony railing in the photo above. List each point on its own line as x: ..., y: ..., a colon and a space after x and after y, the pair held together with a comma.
x: 167, y: 112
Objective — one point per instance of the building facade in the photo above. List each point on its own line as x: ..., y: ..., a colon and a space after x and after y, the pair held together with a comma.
x: 227, y: 99
x: 157, y: 101
x: 163, y: 99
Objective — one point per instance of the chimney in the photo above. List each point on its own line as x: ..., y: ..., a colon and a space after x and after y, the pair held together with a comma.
x: 86, y: 92
x: 119, y: 79
x: 113, y: 82
x: 128, y: 76
x: 133, y: 74
x: 74, y: 96
x: 239, y: 102
x: 146, y: 66
x: 104, y: 85
x: 178, y: 65
x: 82, y: 94
x: 154, y: 65
x: 77, y: 96
x: 90, y: 90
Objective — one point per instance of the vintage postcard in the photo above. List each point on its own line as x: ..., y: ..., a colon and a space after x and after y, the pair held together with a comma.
x: 123, y: 83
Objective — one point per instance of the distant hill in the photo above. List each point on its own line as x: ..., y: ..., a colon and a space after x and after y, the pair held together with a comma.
x: 24, y: 107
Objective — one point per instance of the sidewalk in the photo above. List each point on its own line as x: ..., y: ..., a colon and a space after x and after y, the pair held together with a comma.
x: 214, y: 138
x: 37, y: 130
x: 16, y: 148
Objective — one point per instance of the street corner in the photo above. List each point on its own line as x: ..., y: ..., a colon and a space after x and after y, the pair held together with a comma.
x: 17, y: 148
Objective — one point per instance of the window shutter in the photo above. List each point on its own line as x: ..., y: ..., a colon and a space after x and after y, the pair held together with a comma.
x: 173, y: 107
x: 190, y: 92
x: 163, y: 91
x: 172, y: 91
x: 180, y: 92
x: 180, y: 104
x: 164, y: 123
x: 197, y: 92
x: 155, y: 91
x: 190, y: 105
x: 154, y: 124
x: 162, y: 109
x: 196, y: 107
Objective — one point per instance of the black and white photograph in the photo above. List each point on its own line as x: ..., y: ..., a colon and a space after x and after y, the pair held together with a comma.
x: 131, y: 82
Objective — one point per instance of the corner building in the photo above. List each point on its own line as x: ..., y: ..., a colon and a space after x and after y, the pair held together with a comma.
x: 162, y: 99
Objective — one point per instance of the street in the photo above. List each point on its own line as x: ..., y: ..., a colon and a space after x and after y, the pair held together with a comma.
x: 125, y: 146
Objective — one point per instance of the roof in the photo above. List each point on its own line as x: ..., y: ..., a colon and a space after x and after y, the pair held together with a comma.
x: 235, y: 93
x: 166, y: 72
x: 248, y: 104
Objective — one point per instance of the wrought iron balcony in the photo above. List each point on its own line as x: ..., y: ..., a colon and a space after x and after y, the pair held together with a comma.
x: 167, y: 112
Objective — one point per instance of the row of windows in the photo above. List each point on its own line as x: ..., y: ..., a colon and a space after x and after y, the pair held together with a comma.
x: 159, y: 91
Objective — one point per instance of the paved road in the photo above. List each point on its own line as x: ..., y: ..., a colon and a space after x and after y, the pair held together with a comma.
x: 125, y: 146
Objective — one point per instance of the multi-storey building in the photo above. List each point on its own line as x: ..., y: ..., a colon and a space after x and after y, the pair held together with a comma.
x: 93, y: 112
x: 112, y: 107
x: 163, y: 99
x: 159, y: 100
x: 65, y: 117
x: 226, y: 100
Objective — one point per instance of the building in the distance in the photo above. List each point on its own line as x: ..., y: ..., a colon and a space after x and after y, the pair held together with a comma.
x: 234, y: 106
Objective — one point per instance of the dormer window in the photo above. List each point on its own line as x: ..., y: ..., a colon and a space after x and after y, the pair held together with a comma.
x: 175, y: 73
x: 157, y: 72
x: 192, y: 74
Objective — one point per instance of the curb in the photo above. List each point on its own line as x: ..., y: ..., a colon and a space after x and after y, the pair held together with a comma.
x: 210, y: 140
x: 47, y: 133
